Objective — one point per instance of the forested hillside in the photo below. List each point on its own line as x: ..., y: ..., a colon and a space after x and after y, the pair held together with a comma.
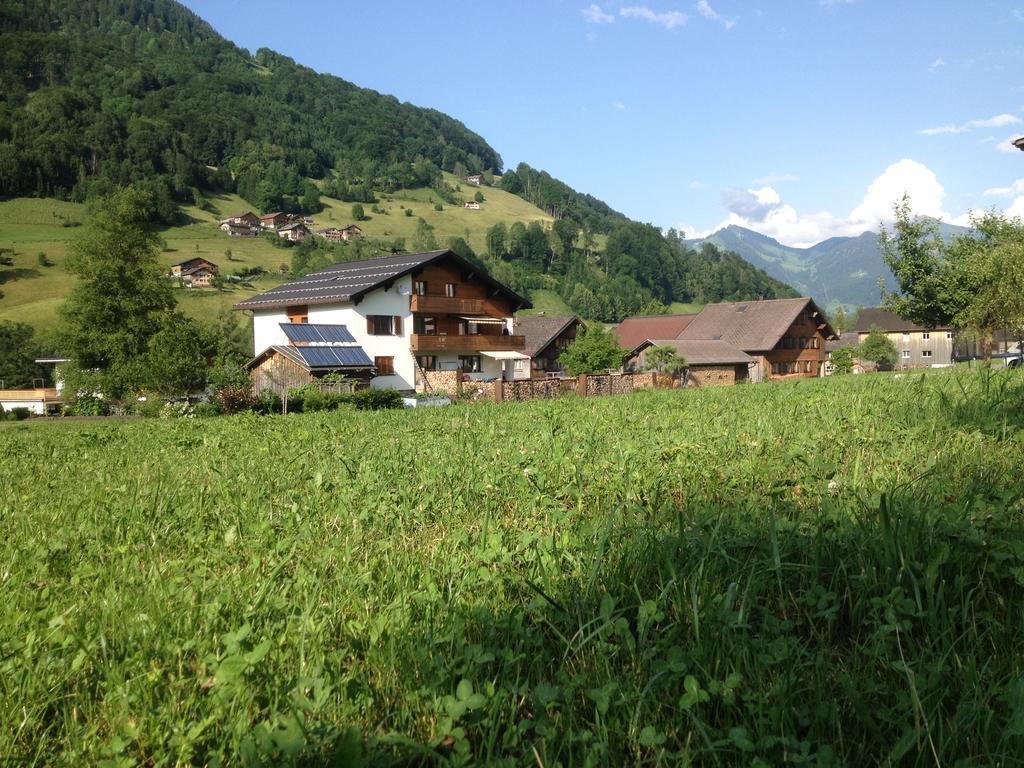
x: 98, y: 94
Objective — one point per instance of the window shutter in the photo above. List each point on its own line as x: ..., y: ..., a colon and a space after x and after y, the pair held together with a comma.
x: 369, y: 324
x: 398, y: 325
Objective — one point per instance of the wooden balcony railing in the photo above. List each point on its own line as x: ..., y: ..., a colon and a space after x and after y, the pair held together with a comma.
x: 446, y: 305
x: 470, y: 343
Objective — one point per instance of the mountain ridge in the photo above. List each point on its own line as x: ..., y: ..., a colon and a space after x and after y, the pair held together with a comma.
x: 840, y: 270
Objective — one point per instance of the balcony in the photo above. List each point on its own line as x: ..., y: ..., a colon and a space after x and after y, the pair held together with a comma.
x: 471, y: 343
x: 446, y: 305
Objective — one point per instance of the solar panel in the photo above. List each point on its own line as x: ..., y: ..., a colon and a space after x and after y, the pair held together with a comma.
x: 316, y: 333
x: 334, y: 357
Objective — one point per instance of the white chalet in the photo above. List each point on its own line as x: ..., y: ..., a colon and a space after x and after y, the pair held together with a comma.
x: 409, y: 313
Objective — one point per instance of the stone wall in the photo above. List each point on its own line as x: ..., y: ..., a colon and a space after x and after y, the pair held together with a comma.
x: 712, y: 376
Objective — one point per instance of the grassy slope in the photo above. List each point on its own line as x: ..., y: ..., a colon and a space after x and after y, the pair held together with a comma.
x: 33, y: 294
x: 826, y: 569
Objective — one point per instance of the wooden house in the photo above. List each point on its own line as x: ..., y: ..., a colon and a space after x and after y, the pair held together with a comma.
x: 294, y: 233
x: 472, y: 205
x: 245, y: 219
x: 309, y: 352
x: 273, y: 220
x: 411, y: 313
x: 192, y: 265
x: 475, y: 178
x: 916, y: 347
x: 709, y: 362
x: 546, y: 338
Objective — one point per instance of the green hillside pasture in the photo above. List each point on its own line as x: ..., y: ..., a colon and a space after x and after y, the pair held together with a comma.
x: 33, y: 294
x: 817, y: 573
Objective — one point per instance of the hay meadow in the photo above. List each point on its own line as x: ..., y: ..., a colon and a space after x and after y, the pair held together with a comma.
x: 815, y: 573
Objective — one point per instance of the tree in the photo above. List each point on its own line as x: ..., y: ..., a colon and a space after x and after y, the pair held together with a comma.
x: 479, y: 196
x: 665, y: 359
x: 18, y: 352
x: 839, y: 321
x: 878, y: 348
x: 497, y: 239
x: 974, y: 283
x: 177, y: 355
x: 842, y: 360
x: 357, y: 212
x: 594, y: 350
x: 122, y: 296
x: 424, y: 239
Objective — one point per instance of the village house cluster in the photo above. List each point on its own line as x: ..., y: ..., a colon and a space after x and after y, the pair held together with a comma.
x: 410, y: 321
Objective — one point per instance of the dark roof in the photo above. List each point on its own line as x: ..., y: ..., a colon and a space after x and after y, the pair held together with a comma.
x: 872, y: 317
x: 273, y: 215
x: 319, y: 358
x: 847, y: 339
x: 293, y: 225
x: 752, y: 326
x: 317, y: 333
x: 351, y: 280
x: 700, y: 351
x: 183, y: 262
x: 634, y: 330
x: 1019, y: 143
x: 541, y: 330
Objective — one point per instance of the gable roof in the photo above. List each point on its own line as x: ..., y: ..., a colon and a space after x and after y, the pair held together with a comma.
x: 351, y: 280
x: 634, y: 330
x: 700, y: 351
x: 192, y: 259
x: 293, y: 225
x: 871, y: 317
x: 752, y: 326
x: 273, y: 215
x: 541, y: 330
x: 317, y: 358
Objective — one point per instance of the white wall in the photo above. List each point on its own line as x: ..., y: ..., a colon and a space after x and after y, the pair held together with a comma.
x: 266, y: 329
x: 35, y: 406
x: 379, y: 302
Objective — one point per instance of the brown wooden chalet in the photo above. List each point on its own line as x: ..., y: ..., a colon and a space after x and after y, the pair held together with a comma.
x: 546, y: 338
x: 273, y: 220
x: 244, y: 219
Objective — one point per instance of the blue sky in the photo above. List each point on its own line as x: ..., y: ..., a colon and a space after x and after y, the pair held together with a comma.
x: 802, y: 119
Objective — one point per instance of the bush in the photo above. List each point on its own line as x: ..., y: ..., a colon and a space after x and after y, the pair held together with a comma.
x: 206, y: 410
x: 15, y: 414
x: 268, y: 402
x: 234, y: 398
x: 89, y: 405
x: 376, y: 399
x: 181, y: 409
x: 151, y: 407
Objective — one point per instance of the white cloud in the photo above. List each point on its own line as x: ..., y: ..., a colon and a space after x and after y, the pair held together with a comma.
x: 667, y: 19
x: 830, y: 3
x: 697, y: 184
x: 619, y: 106
x: 1016, y: 188
x: 936, y: 65
x: 594, y: 15
x: 776, y: 178
x: 704, y: 9
x: 997, y: 121
x: 764, y: 211
x: 1007, y: 145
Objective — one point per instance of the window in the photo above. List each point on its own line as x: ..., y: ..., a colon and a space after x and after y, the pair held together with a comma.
x: 449, y: 290
x: 906, y: 354
x: 385, y: 366
x: 419, y: 287
x: 427, y: 362
x: 298, y: 314
x: 816, y: 342
x: 424, y: 325
x: 949, y: 334
x: 803, y: 342
x: 926, y: 353
x: 384, y: 325
x: 807, y: 366
x: 926, y: 335
x: 470, y: 363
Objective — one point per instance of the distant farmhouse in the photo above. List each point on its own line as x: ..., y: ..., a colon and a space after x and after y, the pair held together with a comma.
x: 753, y: 340
x: 475, y: 178
x: 294, y: 233
x: 472, y: 205
x: 246, y: 219
x: 916, y: 347
x: 406, y: 315
x: 196, y: 272
x: 336, y: 235
x: 273, y: 220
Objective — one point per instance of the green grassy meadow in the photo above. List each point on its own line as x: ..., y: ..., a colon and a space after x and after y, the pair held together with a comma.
x: 33, y: 294
x: 823, y: 573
